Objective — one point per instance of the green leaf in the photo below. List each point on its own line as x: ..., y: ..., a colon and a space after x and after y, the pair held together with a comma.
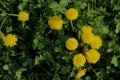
x: 83, y: 5
x: 64, y: 3
x: 28, y: 63
x: 117, y: 30
x: 1, y: 75
x: 5, y: 67
x: 109, y: 50
x: 1, y: 35
x: 38, y: 59
x: 35, y: 41
x: 110, y: 70
x: 116, y: 7
x: 114, y: 61
x: 56, y: 77
x: 19, y: 72
x: 21, y: 6
x: 105, y: 30
x: 25, y: 0
x: 87, y: 78
x: 61, y: 9
x: 53, y: 5
x: 9, y: 29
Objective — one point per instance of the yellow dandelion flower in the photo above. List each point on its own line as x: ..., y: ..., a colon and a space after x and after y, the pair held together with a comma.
x: 81, y: 73
x: 55, y: 22
x: 71, y: 14
x: 10, y: 40
x: 71, y: 44
x: 79, y: 60
x: 87, y: 37
x: 92, y: 56
x: 86, y: 29
x: 96, y: 43
x: 23, y: 16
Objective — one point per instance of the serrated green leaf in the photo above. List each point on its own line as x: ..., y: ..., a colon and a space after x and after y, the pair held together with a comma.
x: 38, y: 59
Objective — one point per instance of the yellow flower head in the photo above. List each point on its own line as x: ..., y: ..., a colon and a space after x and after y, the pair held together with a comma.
x: 55, y: 22
x: 23, y: 16
x: 86, y: 29
x: 87, y: 37
x: 71, y: 44
x: 81, y: 73
x: 79, y: 60
x: 71, y: 14
x: 92, y: 56
x: 96, y: 43
x: 10, y: 40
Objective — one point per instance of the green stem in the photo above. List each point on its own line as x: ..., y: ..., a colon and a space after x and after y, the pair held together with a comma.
x: 3, y: 23
x: 4, y: 6
x: 71, y: 23
x: 68, y: 78
x: 5, y: 20
x: 23, y: 24
x: 97, y: 75
x: 12, y: 15
x: 76, y: 78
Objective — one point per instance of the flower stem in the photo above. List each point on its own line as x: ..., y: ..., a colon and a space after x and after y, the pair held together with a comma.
x: 97, y: 75
x: 12, y: 15
x: 4, y: 6
x: 71, y: 23
x: 3, y: 23
x: 68, y: 78
x: 23, y: 24
x: 76, y: 78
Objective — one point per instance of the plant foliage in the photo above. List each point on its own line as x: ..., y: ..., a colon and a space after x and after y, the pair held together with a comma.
x: 40, y: 52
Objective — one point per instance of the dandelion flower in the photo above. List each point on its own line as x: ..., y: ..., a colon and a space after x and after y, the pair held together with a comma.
x: 23, y: 16
x: 87, y: 37
x: 92, y: 56
x: 55, y: 23
x: 79, y: 60
x: 81, y: 73
x: 86, y: 29
x: 10, y: 40
x: 96, y: 43
x: 71, y: 44
x: 71, y: 14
